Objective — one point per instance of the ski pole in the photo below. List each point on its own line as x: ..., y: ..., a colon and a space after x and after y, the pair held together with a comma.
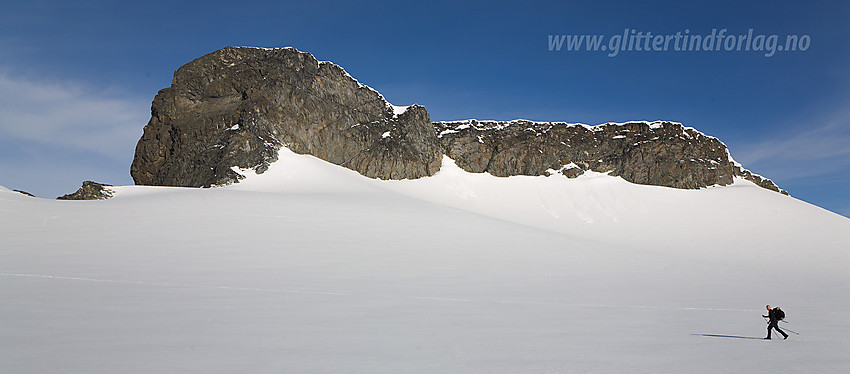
x: 786, y: 329
x: 791, y: 331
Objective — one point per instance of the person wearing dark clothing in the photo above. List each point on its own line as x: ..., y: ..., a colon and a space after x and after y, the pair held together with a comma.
x: 773, y: 323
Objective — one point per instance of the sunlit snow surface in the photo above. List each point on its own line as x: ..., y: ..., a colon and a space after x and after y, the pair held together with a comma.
x: 312, y: 268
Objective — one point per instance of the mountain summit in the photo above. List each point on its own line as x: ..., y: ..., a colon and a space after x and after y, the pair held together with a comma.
x: 236, y: 107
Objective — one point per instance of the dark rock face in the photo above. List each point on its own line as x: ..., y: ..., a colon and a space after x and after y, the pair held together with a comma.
x: 238, y: 106
x: 89, y: 191
x: 660, y: 153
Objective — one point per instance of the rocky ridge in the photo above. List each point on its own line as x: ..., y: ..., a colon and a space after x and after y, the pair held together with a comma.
x: 234, y: 108
x: 654, y: 153
x: 25, y: 193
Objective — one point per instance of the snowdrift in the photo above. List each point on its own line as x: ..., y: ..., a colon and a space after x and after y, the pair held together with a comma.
x: 312, y: 268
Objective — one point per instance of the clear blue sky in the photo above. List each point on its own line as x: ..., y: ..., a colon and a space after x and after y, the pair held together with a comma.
x: 77, y: 78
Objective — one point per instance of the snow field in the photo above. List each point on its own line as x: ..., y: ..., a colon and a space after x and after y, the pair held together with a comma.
x: 311, y: 268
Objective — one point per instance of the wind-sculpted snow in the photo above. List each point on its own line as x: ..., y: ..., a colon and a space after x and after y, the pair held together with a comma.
x: 312, y: 268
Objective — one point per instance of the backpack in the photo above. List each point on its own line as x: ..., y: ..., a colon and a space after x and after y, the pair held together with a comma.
x: 778, y: 313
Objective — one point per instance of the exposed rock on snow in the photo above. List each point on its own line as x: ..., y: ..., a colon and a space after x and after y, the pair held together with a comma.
x: 24, y: 192
x: 235, y: 108
x: 758, y: 179
x: 656, y: 153
x: 238, y: 106
x: 89, y: 191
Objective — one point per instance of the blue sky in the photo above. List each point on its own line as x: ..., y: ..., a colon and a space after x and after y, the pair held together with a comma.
x: 77, y: 78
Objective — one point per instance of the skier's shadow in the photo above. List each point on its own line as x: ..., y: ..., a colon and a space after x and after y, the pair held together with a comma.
x: 728, y: 336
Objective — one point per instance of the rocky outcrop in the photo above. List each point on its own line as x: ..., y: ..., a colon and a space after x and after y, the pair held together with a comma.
x: 234, y: 108
x: 238, y: 106
x: 757, y: 179
x: 654, y: 153
x: 24, y: 193
x: 89, y: 191
x: 658, y: 153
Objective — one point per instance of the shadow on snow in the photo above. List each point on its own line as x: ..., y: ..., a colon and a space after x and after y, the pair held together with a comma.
x: 728, y: 336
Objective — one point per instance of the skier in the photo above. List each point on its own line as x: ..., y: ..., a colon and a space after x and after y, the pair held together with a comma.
x: 773, y: 316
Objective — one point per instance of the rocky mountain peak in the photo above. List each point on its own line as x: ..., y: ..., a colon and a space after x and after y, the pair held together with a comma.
x: 235, y: 108
x: 238, y: 106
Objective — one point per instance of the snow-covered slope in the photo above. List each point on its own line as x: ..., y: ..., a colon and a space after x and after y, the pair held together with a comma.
x: 312, y: 268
